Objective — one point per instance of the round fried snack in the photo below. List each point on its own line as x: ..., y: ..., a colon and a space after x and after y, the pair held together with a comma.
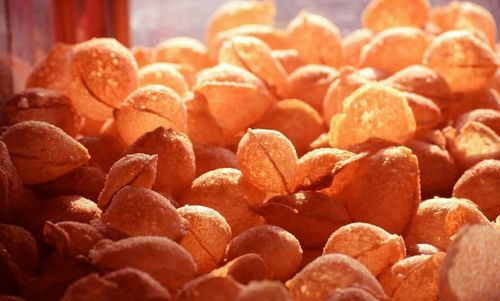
x: 317, y: 40
x: 351, y: 294
x: 59, y: 72
x: 107, y: 69
x: 264, y: 291
x: 183, y: 50
x: 71, y: 238
x: 353, y: 43
x: 202, y: 128
x: 488, y: 117
x: 143, y: 55
x: 471, y: 101
x: 481, y: 184
x: 126, y: 284
x: 310, y: 216
x: 383, y: 14
x: 268, y: 160
x: 147, y: 109
x: 43, y: 105
x: 295, y: 119
x: 382, y: 189
x: 276, y: 39
x: 176, y: 160
x: 211, y: 157
x: 19, y: 255
x: 413, y: 278
x: 226, y: 191
x: 209, y: 287
x: 347, y: 82
x: 160, y: 257
x: 470, y: 268
x: 137, y: 211
x: 280, y: 250
x: 464, y: 60
x: 465, y: 15
x: 235, y: 97
x: 42, y: 152
x: 11, y: 187
x: 426, y: 112
x: 289, y: 59
x: 375, y: 248
x: 421, y: 249
x: 438, y: 169
x: 439, y: 219
x: 394, y: 49
x: 207, y: 238
x: 423, y: 81
x: 475, y: 142
x: 104, y: 150
x: 245, y: 268
x: 165, y: 75
x: 254, y: 55
x: 373, y: 110
x: 137, y: 170
x: 236, y: 13
x: 320, y: 278
x: 309, y: 83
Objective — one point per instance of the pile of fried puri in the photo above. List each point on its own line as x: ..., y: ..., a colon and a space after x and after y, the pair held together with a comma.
x: 269, y: 164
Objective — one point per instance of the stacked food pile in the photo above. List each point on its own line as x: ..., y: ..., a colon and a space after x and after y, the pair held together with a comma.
x: 266, y: 165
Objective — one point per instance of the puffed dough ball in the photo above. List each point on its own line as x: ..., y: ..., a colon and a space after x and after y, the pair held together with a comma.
x: 383, y: 14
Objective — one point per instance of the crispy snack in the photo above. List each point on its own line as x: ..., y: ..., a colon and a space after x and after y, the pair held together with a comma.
x: 465, y: 61
x: 470, y: 101
x: 211, y: 157
x: 11, y: 186
x: 236, y: 13
x: 207, y: 238
x: 160, y: 257
x: 137, y: 211
x: 394, y: 49
x: 421, y: 249
x: 264, y: 291
x: 235, y: 97
x: 165, y: 75
x: 136, y: 170
x: 481, y: 184
x: 348, y: 81
x: 147, y: 109
x: 276, y: 39
x: 209, y: 287
x: 43, y: 105
x: 59, y: 72
x: 351, y: 294
x: 184, y: 51
x: 228, y: 192
x: 71, y: 238
x: 202, y: 128
x: 383, y: 14
x: 245, y: 268
x: 373, y: 110
x: 320, y: 278
x: 310, y: 216
x: 382, y: 189
x: 352, y: 45
x: 375, y: 248
x: 474, y: 143
x: 469, y: 271
x: 104, y: 150
x: 317, y: 40
x: 427, y: 113
x: 465, y: 15
x: 309, y: 83
x: 143, y: 55
x: 439, y: 219
x: 413, y: 278
x: 255, y: 56
x: 268, y: 160
x: 42, y: 152
x: 273, y: 244
x: 176, y: 159
x: 289, y: 59
x: 295, y: 119
x: 488, y: 117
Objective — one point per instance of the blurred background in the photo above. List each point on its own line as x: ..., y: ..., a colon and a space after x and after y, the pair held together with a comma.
x: 29, y: 28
